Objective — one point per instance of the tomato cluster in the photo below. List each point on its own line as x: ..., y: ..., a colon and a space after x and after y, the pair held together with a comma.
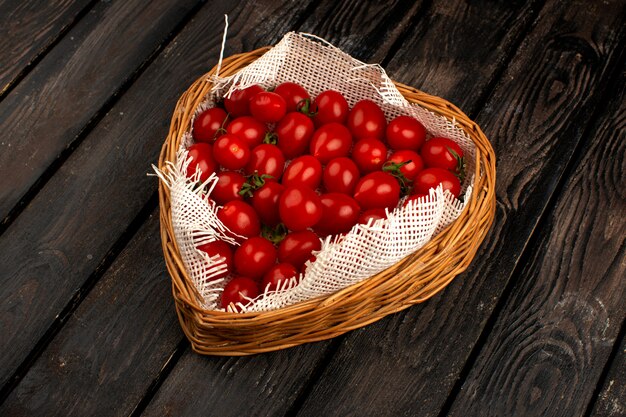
x: 292, y: 169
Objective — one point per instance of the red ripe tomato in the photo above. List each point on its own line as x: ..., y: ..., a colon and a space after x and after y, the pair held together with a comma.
x: 369, y: 154
x: 201, y: 155
x: 224, y: 255
x: 442, y: 153
x: 297, y: 247
x: 331, y: 107
x: 305, y: 170
x: 414, y: 197
x: 331, y: 141
x: 432, y: 177
x: 339, y: 213
x: 248, y: 129
x: 240, y: 218
x: 277, y: 275
x: 292, y: 93
x: 299, y: 208
x: 377, y: 190
x: 208, y: 123
x: 231, y: 152
x: 227, y: 187
x: 372, y: 215
x: 268, y: 107
x: 255, y: 257
x: 238, y: 104
x: 409, y: 169
x: 405, y: 132
x: 341, y: 176
x: 294, y: 133
x: 367, y: 120
x: 238, y: 290
x: 265, y: 202
x: 266, y: 159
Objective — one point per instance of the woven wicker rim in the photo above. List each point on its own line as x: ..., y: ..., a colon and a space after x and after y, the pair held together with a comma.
x: 411, y: 281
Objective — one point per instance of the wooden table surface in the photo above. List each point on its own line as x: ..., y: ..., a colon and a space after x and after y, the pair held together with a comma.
x: 535, y: 326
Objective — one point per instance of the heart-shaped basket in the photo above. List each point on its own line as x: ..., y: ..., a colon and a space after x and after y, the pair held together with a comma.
x: 412, y: 280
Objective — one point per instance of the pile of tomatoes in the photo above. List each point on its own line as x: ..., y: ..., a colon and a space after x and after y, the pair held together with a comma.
x: 292, y: 169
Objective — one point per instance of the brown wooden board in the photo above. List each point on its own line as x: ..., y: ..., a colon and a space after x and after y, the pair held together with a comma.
x: 407, y: 364
x: 611, y: 401
x: 27, y: 29
x: 113, y: 344
x: 567, y: 305
x: 49, y: 254
x: 46, y: 113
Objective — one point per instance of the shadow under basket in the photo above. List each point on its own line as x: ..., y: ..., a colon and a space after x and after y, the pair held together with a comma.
x: 413, y: 280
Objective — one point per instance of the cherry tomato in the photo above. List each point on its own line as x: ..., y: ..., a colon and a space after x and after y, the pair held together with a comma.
x: 231, y: 152
x: 442, y: 153
x: 405, y: 132
x: 201, y: 155
x: 208, y: 123
x: 265, y: 202
x: 255, y: 257
x: 239, y: 290
x: 294, y: 133
x: 248, y: 129
x: 299, y: 208
x: 414, y: 197
x: 224, y: 255
x: 410, y: 169
x: 366, y: 119
x: 268, y: 107
x: 240, y: 218
x: 305, y: 170
x: 277, y: 275
x: 227, y: 188
x: 341, y: 176
x: 377, y: 190
x: 432, y: 177
x: 339, y: 213
x: 297, y: 247
x: 238, y: 104
x: 331, y: 107
x: 331, y: 141
x: 266, y: 159
x: 369, y: 154
x: 373, y: 215
x: 292, y: 93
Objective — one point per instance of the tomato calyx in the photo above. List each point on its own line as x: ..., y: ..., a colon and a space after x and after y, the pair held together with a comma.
x: 270, y: 138
x: 394, y: 169
x: 460, y: 164
x: 274, y: 234
x: 253, y: 183
x: 304, y: 106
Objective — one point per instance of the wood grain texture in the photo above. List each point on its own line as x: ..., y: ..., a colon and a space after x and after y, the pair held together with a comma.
x: 406, y: 364
x: 27, y: 28
x: 612, y: 399
x: 567, y: 306
x: 47, y: 111
x: 53, y: 247
x: 92, y: 368
x: 367, y: 30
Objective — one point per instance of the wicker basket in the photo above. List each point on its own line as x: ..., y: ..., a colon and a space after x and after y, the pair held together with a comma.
x: 413, y: 280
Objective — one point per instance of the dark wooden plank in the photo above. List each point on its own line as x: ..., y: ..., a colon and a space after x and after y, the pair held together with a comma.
x: 567, y: 305
x: 612, y: 399
x: 90, y: 369
x: 49, y: 253
x: 407, y: 364
x: 47, y: 111
x: 27, y: 29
